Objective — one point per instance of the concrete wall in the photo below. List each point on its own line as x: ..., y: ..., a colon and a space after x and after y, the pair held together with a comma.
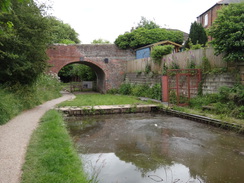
x: 142, y: 78
x: 212, y: 83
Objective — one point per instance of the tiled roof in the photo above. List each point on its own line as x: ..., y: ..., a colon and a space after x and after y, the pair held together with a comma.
x: 223, y: 2
x: 229, y: 1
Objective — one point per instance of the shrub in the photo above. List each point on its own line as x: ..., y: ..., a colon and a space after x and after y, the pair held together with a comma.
x: 159, y: 51
x: 140, y: 90
x: 125, y: 89
x: 155, y: 92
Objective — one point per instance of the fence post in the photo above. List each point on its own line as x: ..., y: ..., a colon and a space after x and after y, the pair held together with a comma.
x: 165, y: 97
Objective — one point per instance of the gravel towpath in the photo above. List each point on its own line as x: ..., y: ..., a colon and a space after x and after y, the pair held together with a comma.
x: 15, y: 136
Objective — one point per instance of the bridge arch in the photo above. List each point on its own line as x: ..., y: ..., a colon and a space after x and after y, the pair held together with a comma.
x: 100, y: 74
x: 107, y: 60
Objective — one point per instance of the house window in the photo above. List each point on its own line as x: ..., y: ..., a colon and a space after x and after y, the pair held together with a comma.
x: 206, y: 20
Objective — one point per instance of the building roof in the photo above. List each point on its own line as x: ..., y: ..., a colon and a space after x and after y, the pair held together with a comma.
x: 229, y: 1
x: 160, y: 43
x: 223, y: 2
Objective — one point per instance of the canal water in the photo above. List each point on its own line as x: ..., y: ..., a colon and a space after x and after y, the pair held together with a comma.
x: 149, y: 148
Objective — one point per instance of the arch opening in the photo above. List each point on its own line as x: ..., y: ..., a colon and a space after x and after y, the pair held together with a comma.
x: 98, y: 81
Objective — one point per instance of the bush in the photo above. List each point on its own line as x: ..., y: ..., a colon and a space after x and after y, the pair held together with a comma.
x: 140, y: 90
x: 125, y: 89
x: 228, y: 101
x: 159, y: 51
x: 155, y: 92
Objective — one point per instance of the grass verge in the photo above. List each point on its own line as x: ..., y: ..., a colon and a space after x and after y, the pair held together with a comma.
x: 51, y: 156
x: 16, y: 98
x: 102, y: 99
x: 221, y: 117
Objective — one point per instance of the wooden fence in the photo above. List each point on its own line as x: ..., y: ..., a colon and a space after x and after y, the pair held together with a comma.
x: 183, y: 59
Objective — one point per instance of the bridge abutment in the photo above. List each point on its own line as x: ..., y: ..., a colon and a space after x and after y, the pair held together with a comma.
x: 107, y: 61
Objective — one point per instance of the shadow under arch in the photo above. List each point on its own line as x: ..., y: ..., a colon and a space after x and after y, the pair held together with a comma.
x: 100, y: 74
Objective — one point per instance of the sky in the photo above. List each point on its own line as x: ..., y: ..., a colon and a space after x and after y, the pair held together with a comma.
x: 107, y: 19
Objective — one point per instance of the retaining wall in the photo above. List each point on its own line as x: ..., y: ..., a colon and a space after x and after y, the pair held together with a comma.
x: 212, y: 83
x: 142, y: 78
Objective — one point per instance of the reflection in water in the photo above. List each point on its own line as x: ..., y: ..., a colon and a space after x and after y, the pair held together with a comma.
x: 106, y: 164
x: 157, y: 148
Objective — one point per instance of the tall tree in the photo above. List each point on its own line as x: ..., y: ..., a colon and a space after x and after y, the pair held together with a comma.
x: 23, y: 47
x: 147, y: 24
x: 227, y: 31
x: 197, y: 35
x: 61, y: 32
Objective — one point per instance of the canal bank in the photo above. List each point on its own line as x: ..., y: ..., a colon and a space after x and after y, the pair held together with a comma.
x: 155, y: 147
x: 118, y: 109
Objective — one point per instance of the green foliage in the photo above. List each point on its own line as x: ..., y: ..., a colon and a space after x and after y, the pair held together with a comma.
x: 197, y: 36
x: 61, y: 32
x: 140, y: 90
x: 125, y: 89
x: 51, y: 156
x: 158, y: 52
x: 206, y: 66
x: 85, y: 73
x: 147, y: 24
x: 100, y: 41
x: 18, y: 97
x: 148, y: 69
x: 164, y: 70
x: 23, y: 47
x: 174, y: 65
x: 227, y: 31
x: 229, y: 101
x: 142, y: 36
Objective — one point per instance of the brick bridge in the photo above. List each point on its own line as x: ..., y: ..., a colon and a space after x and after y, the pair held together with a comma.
x: 107, y: 61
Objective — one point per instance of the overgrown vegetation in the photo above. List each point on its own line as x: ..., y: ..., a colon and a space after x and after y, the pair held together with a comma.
x: 51, y: 156
x: 228, y: 102
x: 101, y: 99
x: 227, y: 31
x: 19, y: 97
x: 158, y: 52
x: 139, y: 90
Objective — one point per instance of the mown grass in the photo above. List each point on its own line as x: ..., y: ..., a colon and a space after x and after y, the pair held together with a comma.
x: 51, y: 156
x: 16, y: 98
x: 101, y: 99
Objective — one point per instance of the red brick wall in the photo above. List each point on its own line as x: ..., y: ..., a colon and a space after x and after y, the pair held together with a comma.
x: 110, y: 75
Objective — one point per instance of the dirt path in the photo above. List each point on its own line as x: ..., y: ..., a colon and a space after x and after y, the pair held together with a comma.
x: 15, y: 136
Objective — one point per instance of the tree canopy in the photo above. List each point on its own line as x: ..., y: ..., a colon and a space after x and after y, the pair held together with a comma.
x: 25, y: 36
x: 23, y: 46
x: 142, y: 37
x: 147, y: 32
x: 197, y: 35
x: 228, y: 34
x: 147, y: 24
x: 61, y: 32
